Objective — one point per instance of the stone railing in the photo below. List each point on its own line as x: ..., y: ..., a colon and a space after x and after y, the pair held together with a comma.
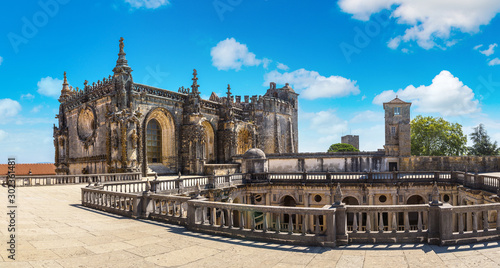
x: 168, y: 208
x: 387, y: 224
x: 176, y: 186
x: 159, y: 92
x: 23, y: 181
x: 474, y: 223
x: 339, y: 224
x: 240, y: 220
x: 125, y: 204
x: 474, y: 181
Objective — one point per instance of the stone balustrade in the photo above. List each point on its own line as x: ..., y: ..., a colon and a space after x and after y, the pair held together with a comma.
x: 167, y: 208
x: 279, y: 224
x: 176, y: 186
x: 339, y: 224
x: 24, y: 181
x: 125, y: 204
x: 474, y: 181
x: 387, y: 224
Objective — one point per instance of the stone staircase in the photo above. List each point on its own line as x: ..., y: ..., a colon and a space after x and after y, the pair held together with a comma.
x: 159, y: 169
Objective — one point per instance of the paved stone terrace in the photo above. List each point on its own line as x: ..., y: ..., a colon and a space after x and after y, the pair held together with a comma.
x: 53, y: 230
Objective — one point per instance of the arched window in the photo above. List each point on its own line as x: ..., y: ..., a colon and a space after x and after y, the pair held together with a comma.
x: 153, y: 141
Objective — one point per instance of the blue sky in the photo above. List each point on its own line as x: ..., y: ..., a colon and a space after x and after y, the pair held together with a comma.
x: 344, y: 57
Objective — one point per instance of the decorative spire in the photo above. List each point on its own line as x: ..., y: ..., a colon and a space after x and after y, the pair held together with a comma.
x: 228, y: 91
x: 65, y: 91
x: 121, y: 46
x: 121, y: 63
x: 195, y: 83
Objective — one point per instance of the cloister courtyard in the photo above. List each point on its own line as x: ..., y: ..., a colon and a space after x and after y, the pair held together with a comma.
x: 53, y: 229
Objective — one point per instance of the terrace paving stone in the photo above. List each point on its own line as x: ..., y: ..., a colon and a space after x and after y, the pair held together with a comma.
x: 54, y: 230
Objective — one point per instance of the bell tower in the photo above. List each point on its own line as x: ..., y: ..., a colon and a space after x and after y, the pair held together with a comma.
x: 397, y: 128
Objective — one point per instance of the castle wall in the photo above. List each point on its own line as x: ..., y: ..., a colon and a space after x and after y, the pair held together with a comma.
x: 322, y: 162
x: 447, y: 163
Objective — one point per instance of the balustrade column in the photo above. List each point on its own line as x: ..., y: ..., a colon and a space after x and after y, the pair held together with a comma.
x: 268, y: 219
x: 390, y: 216
x: 469, y: 220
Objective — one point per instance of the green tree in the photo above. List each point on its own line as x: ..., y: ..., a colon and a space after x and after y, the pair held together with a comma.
x: 436, y: 136
x: 482, y: 143
x: 341, y: 147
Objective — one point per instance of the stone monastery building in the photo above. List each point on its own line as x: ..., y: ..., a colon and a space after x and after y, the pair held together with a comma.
x: 116, y: 125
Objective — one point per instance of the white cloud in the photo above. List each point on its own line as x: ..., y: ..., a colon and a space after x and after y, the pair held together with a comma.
x: 3, y: 135
x: 37, y: 108
x: 428, y: 21
x: 230, y: 54
x: 149, y: 4
x: 327, y: 122
x: 311, y: 85
x: 478, y: 46
x: 495, y: 61
x: 282, y: 66
x: 265, y: 62
x: 9, y: 108
x: 319, y: 130
x: 1, y: 60
x: 49, y: 86
x: 367, y: 116
x: 446, y: 95
x: 27, y: 96
x: 394, y: 42
x: 490, y: 50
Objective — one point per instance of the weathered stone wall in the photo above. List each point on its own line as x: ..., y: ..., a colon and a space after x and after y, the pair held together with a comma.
x: 88, y: 153
x: 447, y: 163
x: 322, y: 162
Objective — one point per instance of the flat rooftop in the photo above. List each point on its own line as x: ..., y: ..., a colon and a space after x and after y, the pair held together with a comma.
x: 54, y: 230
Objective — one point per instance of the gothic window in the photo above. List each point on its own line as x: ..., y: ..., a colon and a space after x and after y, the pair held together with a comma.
x: 397, y: 110
x: 393, y: 130
x: 153, y: 141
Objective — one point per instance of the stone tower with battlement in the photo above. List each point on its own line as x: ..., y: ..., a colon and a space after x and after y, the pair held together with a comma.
x: 397, y: 128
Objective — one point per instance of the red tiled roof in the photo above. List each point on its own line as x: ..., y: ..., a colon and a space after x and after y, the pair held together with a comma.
x: 24, y: 169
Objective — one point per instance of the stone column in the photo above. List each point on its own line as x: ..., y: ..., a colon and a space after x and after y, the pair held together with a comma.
x: 469, y: 218
x: 373, y: 216
x: 394, y: 197
x: 269, y: 215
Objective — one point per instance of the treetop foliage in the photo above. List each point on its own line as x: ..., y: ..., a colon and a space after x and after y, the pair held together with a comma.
x: 482, y: 143
x: 434, y: 136
x: 342, y: 147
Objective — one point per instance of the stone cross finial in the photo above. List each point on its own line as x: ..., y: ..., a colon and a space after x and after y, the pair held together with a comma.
x: 121, y: 45
x: 195, y: 82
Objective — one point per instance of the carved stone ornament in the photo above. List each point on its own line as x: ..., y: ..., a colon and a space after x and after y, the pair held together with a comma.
x: 86, y: 126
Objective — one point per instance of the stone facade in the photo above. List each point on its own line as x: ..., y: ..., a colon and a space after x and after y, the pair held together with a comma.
x: 352, y: 140
x: 116, y: 125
